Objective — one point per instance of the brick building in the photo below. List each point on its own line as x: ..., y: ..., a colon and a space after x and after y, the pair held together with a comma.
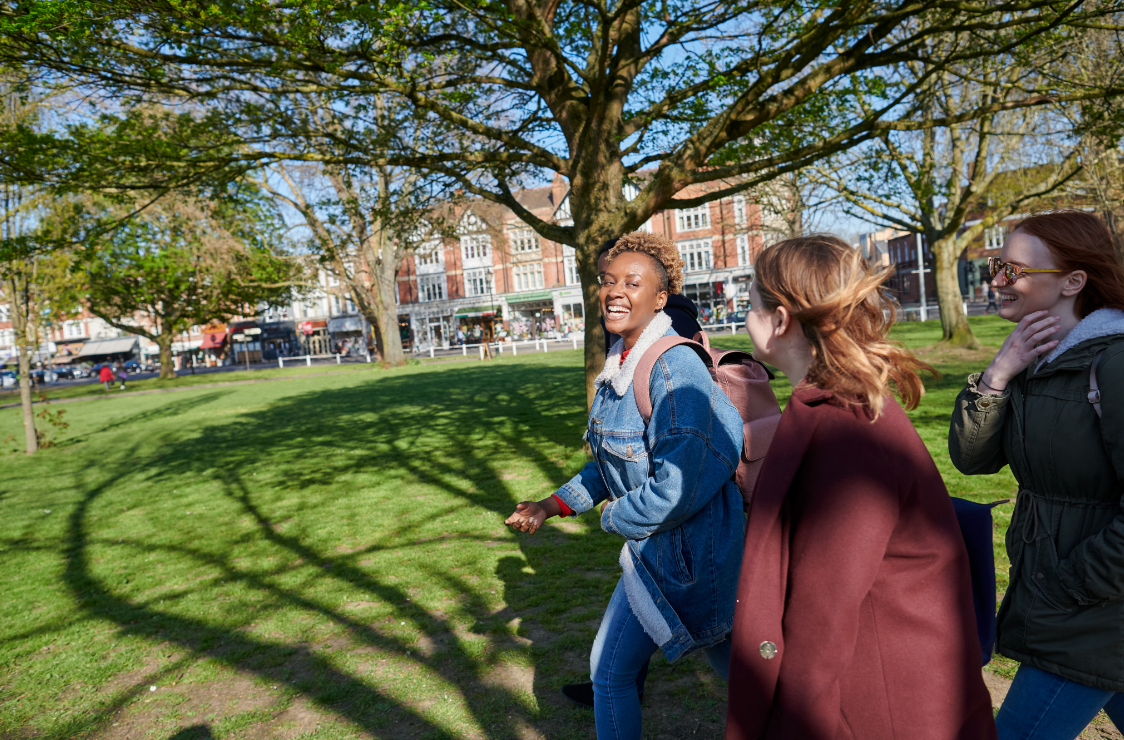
x: 497, y: 274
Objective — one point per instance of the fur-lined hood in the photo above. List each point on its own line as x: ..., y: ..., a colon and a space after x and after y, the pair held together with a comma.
x: 620, y: 376
x: 1104, y: 322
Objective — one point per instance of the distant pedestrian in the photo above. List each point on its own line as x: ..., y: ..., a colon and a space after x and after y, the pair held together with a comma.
x: 105, y: 375
x: 122, y: 374
x: 992, y: 299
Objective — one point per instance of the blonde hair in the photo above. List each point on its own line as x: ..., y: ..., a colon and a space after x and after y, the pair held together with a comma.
x: 659, y: 248
x: 827, y: 286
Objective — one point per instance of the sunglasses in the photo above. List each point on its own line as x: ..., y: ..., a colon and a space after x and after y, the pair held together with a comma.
x: 1011, y: 273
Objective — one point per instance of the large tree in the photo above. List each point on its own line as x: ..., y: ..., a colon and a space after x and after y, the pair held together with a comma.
x: 32, y: 275
x: 668, y: 94
x: 950, y: 183
x: 363, y: 221
x: 182, y: 262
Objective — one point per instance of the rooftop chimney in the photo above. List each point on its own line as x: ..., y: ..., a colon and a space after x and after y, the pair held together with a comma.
x: 558, y: 190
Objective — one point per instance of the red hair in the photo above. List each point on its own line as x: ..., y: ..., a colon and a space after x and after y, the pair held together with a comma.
x: 1081, y: 241
x: 838, y: 300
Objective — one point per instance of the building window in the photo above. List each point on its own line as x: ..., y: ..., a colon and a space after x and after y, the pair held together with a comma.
x: 475, y: 246
x: 477, y: 282
x: 743, y: 250
x: 523, y: 240
x: 528, y: 276
x: 431, y: 288
x: 72, y: 329
x: 739, y: 210
x: 691, y: 219
x: 570, y: 264
x: 696, y: 253
x: 7, y: 337
x: 5, y: 315
x: 428, y: 254
x: 994, y: 236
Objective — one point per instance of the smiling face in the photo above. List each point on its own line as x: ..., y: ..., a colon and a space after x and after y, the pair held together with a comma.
x: 1034, y: 291
x: 631, y: 294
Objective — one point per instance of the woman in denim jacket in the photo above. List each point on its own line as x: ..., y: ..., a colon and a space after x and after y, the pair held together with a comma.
x: 667, y: 489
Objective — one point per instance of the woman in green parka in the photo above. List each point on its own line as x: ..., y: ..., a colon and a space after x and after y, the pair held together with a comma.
x: 1063, y: 614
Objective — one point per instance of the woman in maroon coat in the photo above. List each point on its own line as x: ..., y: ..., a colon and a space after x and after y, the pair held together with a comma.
x: 854, y: 615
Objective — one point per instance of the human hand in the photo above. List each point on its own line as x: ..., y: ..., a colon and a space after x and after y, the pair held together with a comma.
x: 528, y: 517
x: 1020, y: 348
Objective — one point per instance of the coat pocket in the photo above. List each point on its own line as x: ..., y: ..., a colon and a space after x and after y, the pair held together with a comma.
x: 629, y: 448
x: 682, y: 557
x: 1044, y: 580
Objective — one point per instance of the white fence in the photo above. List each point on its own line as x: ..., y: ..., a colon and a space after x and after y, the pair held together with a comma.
x: 499, y: 348
x: 307, y: 359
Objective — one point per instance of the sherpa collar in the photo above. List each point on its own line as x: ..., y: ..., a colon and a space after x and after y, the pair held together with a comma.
x: 1104, y: 322
x: 620, y: 376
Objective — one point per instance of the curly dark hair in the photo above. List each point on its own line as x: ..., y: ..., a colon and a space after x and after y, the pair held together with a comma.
x: 661, y: 249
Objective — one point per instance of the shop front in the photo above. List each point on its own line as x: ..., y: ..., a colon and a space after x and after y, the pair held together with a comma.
x: 313, y: 338
x: 278, y: 339
x: 432, y: 330
x: 246, y: 341
x: 531, y: 315
x: 347, y: 335
x: 571, y: 312
x: 215, y: 347
x: 479, y: 323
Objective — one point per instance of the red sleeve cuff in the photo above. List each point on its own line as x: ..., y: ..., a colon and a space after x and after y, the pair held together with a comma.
x: 566, y: 510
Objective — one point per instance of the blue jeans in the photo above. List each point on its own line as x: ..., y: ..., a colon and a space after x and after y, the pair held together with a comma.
x: 620, y: 652
x: 1042, y: 706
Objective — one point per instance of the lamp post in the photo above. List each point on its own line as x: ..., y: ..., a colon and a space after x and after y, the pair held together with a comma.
x: 491, y: 273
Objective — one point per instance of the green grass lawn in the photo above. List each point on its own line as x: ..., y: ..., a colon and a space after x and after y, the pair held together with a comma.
x: 325, y: 557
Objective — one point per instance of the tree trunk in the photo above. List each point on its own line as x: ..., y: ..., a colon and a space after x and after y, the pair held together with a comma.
x: 594, y: 333
x: 955, y: 330
x: 167, y: 369
x: 392, y: 353
x: 25, y: 398
x: 391, y: 349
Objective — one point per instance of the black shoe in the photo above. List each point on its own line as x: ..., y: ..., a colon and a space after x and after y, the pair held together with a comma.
x: 582, y: 694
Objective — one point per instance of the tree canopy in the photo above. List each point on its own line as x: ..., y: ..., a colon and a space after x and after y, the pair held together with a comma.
x: 685, y: 101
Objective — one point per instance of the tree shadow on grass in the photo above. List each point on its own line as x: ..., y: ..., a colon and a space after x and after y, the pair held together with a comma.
x: 446, y: 430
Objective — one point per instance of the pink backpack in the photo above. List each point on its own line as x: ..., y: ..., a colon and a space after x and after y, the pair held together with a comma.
x: 744, y: 380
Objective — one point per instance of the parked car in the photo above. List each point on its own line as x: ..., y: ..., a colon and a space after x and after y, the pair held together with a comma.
x: 132, y: 366
x: 8, y: 379
x: 44, y: 376
x: 65, y: 372
x: 737, y: 317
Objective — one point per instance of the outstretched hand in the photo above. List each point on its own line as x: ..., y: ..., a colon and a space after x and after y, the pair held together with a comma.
x: 1020, y: 348
x: 528, y: 517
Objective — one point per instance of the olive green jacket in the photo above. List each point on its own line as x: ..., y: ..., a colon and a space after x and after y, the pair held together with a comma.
x: 1064, y: 608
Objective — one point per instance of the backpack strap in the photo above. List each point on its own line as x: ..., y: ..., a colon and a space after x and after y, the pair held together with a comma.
x: 641, y: 379
x: 1094, y: 392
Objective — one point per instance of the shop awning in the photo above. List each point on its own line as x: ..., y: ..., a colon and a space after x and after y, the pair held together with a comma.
x: 104, y: 347
x: 213, y: 340
x: 541, y: 295
x: 465, y: 313
x: 345, y: 324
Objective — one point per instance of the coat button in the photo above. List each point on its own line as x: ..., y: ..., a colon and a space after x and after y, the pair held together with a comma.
x: 768, y: 650
x: 1040, y: 576
x: 984, y: 404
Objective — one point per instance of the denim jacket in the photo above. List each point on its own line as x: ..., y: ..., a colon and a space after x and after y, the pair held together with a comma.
x: 671, y: 493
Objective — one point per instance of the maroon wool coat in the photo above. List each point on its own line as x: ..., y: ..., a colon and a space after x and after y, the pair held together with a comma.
x: 856, y: 570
